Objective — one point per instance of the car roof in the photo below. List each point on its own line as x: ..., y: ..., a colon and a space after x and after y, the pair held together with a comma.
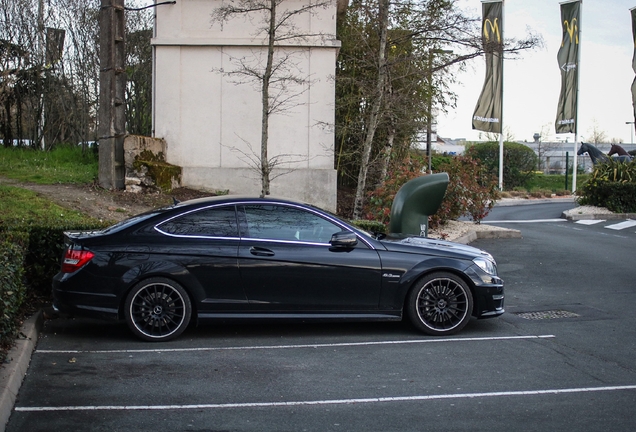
x: 221, y: 199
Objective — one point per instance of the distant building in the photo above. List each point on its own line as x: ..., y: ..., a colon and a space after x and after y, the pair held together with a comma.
x: 553, y: 155
x: 450, y: 146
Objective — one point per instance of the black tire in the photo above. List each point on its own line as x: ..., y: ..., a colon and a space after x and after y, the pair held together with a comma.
x: 158, y: 309
x: 440, y: 304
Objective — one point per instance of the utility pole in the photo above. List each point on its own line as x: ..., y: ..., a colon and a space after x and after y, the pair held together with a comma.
x: 112, y: 82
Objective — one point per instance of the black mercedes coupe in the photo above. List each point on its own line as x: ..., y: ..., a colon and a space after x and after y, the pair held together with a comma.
x: 235, y: 258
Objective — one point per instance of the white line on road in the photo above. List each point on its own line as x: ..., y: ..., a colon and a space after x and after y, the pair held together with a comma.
x: 622, y: 225
x: 327, y: 402
x: 327, y: 345
x: 523, y: 221
x: 589, y: 221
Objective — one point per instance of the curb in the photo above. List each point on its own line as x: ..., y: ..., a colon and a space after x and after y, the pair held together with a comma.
x: 604, y: 216
x: 507, y: 202
x: 19, y: 357
x: 488, y: 234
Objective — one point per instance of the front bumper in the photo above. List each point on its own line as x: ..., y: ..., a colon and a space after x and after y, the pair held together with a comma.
x: 488, y: 294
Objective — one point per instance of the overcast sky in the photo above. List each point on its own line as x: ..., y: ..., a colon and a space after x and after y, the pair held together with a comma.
x: 532, y: 83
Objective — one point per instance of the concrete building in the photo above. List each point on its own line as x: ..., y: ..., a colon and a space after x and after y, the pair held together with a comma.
x: 211, y: 120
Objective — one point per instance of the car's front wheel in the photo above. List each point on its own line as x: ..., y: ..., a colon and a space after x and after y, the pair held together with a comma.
x: 440, y: 304
x: 158, y: 309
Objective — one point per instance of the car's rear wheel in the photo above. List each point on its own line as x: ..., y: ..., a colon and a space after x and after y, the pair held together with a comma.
x: 158, y: 309
x: 440, y: 304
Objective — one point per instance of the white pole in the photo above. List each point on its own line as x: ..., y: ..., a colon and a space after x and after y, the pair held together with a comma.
x: 501, y: 135
x: 501, y: 157
x: 576, y: 120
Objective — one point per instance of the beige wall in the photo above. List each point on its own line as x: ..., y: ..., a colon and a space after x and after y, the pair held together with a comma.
x: 210, y: 121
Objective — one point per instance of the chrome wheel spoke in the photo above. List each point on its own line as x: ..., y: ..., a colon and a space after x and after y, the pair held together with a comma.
x: 157, y: 310
x: 442, y: 304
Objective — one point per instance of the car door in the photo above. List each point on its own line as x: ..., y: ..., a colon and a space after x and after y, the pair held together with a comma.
x: 287, y: 263
x: 205, y: 242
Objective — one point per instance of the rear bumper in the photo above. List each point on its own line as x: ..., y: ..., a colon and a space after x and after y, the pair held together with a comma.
x: 78, y: 302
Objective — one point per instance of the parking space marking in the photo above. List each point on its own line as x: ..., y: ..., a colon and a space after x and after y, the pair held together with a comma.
x: 523, y: 221
x: 622, y: 225
x: 589, y: 221
x: 327, y: 402
x: 325, y: 345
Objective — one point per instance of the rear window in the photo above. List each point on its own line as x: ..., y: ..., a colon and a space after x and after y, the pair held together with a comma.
x: 119, y: 226
x: 210, y: 222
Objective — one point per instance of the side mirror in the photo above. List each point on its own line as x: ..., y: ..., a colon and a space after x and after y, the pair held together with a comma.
x: 345, y: 239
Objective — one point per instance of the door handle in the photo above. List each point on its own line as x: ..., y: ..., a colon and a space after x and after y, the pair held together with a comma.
x: 261, y: 251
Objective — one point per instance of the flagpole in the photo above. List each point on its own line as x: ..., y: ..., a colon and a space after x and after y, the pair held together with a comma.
x: 578, y: 104
x: 501, y: 139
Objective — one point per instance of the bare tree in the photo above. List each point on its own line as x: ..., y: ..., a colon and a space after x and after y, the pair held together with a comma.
x: 278, y: 75
x: 49, y: 89
x: 596, y: 135
x: 490, y: 136
x: 544, y: 147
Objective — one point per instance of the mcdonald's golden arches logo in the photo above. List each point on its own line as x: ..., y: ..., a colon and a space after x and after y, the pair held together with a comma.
x: 573, y: 31
x: 492, y: 28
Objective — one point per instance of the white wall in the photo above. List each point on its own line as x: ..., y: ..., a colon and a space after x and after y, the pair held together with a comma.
x: 210, y: 120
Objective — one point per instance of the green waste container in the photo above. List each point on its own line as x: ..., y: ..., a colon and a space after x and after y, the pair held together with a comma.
x: 416, y: 200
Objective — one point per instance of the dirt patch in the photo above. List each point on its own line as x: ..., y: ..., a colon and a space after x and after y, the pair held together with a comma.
x: 104, y: 204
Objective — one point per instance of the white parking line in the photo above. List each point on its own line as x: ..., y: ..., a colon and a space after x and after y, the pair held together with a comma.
x: 327, y: 345
x: 524, y: 221
x: 589, y: 221
x: 622, y: 225
x: 327, y: 402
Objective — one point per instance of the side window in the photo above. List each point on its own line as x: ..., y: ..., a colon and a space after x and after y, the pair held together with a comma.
x: 212, y: 222
x: 278, y: 222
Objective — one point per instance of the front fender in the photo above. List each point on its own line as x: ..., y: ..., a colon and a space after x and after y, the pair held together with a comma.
x: 394, y: 290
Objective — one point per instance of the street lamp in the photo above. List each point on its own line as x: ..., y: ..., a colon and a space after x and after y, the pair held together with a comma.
x: 429, y: 120
x: 631, y: 131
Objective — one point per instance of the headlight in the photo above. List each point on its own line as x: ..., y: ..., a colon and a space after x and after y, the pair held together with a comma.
x: 486, y: 265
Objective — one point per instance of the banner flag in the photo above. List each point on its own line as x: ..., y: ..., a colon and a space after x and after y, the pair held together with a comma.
x: 568, y: 58
x: 633, y: 13
x: 54, y: 45
x: 488, y: 116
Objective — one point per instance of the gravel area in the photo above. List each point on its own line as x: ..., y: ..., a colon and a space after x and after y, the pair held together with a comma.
x: 587, y: 210
x: 454, y: 230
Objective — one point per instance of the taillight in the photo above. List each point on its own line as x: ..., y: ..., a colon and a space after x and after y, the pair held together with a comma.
x: 74, y: 259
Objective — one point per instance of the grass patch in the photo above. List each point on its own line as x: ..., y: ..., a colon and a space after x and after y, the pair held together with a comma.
x: 555, y: 182
x: 22, y: 206
x: 64, y: 164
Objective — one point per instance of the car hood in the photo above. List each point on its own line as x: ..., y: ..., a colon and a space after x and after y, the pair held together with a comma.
x: 433, y: 247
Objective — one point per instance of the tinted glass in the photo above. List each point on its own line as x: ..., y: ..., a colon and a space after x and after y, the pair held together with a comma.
x: 213, y: 222
x: 277, y: 222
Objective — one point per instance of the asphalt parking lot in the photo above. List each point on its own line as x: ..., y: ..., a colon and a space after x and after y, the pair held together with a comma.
x: 87, y: 375
x: 561, y: 358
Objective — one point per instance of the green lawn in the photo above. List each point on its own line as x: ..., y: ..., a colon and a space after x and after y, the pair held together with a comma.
x: 65, y: 164
x: 555, y: 182
x: 25, y: 206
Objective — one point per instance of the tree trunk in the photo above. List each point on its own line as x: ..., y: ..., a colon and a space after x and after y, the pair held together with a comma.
x: 388, y: 149
x: 374, y: 117
x: 271, y: 35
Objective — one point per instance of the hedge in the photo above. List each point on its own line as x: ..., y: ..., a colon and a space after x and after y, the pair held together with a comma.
x: 30, y: 256
x: 12, y: 287
x: 519, y: 163
x: 612, y: 185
